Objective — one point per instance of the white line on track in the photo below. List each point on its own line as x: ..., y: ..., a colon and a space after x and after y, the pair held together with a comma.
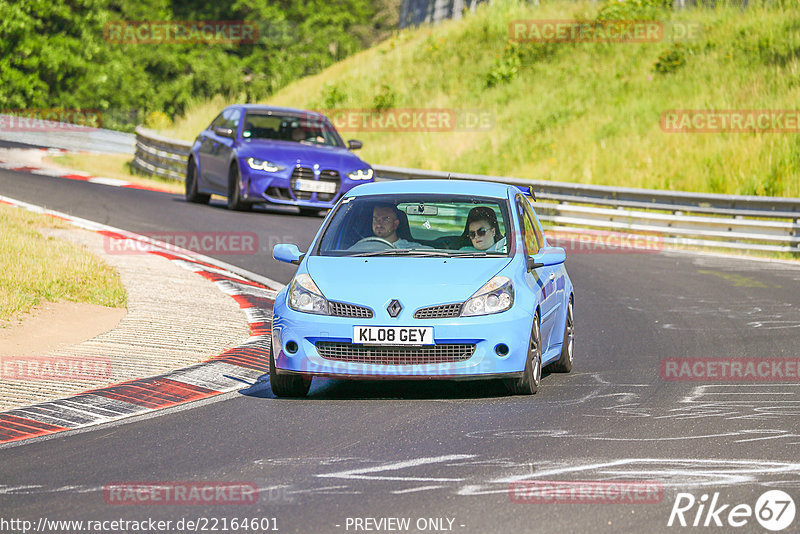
x: 395, y: 466
x: 413, y: 490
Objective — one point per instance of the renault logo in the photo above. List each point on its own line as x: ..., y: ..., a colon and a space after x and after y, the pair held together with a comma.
x: 394, y: 308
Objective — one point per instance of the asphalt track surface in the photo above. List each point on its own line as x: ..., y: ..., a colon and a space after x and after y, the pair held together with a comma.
x: 423, y: 449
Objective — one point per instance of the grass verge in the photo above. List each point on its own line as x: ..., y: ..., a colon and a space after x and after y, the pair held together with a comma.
x: 34, y: 268
x: 114, y: 166
x: 586, y: 112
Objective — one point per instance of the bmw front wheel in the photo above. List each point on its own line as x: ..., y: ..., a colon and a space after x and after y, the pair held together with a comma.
x: 235, y: 201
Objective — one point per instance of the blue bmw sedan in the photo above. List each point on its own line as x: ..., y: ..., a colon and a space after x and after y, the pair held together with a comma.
x: 424, y: 279
x: 255, y: 154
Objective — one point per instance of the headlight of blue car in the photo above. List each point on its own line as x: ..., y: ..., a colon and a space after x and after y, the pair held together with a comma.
x: 361, y: 174
x: 305, y: 296
x: 496, y: 295
x: 264, y: 165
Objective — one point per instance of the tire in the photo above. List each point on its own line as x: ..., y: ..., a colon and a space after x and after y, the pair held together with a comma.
x: 235, y: 191
x: 286, y: 385
x: 564, y: 364
x: 532, y: 375
x: 191, y: 185
x: 309, y: 212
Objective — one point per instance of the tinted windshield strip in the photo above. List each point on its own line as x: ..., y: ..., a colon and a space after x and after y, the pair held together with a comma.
x: 431, y: 224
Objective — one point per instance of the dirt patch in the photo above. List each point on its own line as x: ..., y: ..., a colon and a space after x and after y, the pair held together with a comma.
x: 54, y: 325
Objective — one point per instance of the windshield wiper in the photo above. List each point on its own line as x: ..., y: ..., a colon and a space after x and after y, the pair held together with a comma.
x: 428, y: 252
x: 405, y: 252
x: 474, y: 254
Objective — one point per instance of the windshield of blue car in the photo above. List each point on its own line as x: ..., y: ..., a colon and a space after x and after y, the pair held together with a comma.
x: 414, y: 225
x: 310, y: 129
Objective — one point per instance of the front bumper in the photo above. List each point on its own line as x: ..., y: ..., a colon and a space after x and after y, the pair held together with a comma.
x: 277, y: 188
x: 511, y: 328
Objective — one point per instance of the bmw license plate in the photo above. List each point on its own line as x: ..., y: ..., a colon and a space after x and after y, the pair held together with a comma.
x: 393, y: 335
x: 314, y: 186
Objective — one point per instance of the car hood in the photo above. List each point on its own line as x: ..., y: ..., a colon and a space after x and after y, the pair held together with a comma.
x: 290, y: 154
x: 415, y: 282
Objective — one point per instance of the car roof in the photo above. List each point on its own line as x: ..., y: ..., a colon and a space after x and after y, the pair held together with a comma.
x: 278, y: 109
x: 464, y: 187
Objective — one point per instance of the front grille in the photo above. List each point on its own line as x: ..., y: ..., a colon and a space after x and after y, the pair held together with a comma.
x: 443, y: 311
x: 328, y: 175
x: 306, y: 174
x: 350, y: 352
x: 340, y: 309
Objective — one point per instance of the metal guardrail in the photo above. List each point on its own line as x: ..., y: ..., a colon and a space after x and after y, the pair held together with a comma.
x: 624, y: 196
x: 682, y: 218
x: 159, y: 155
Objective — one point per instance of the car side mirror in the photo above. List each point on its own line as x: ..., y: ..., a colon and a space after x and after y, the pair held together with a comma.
x: 287, y: 253
x: 224, y: 132
x: 354, y: 144
x: 547, y: 257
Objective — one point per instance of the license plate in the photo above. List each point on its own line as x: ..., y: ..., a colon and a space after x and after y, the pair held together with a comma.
x: 393, y: 335
x: 314, y: 186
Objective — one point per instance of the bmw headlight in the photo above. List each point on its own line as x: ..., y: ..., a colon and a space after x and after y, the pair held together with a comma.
x: 305, y: 296
x: 361, y: 174
x: 496, y: 295
x: 264, y: 165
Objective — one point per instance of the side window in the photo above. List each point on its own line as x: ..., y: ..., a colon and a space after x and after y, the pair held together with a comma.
x: 234, y: 118
x: 537, y: 228
x: 231, y: 118
x: 529, y: 230
x: 218, y: 122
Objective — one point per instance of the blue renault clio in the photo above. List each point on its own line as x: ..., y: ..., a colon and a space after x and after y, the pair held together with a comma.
x: 424, y: 279
x: 255, y: 154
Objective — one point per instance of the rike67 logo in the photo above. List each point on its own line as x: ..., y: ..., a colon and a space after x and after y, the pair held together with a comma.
x: 774, y: 510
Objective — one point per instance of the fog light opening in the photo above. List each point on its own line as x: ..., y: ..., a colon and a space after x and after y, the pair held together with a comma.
x: 501, y: 349
x: 291, y: 347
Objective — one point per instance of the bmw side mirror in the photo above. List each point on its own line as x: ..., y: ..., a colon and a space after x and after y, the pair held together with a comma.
x: 223, y: 132
x: 547, y: 257
x: 287, y: 253
x: 354, y: 144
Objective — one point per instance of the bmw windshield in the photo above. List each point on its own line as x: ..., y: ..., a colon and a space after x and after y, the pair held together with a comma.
x: 418, y: 225
x: 310, y: 129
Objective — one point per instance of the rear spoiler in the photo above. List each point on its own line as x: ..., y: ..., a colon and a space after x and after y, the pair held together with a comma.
x: 527, y: 191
